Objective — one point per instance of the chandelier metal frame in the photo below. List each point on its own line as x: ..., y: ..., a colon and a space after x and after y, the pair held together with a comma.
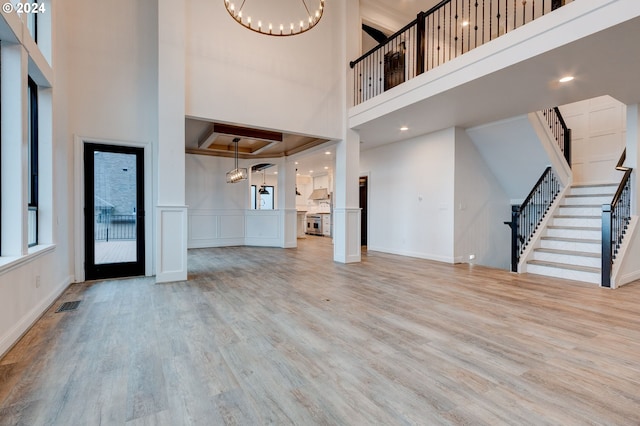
x: 282, y: 29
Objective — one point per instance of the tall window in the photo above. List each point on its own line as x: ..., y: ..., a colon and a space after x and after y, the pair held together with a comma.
x: 32, y: 189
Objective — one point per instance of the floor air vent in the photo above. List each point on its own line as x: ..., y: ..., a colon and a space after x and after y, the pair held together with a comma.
x: 68, y: 306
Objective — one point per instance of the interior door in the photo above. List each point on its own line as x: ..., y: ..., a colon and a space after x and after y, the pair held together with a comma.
x: 114, y: 211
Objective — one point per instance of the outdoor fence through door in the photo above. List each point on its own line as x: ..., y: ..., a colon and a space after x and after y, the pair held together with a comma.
x: 114, y: 211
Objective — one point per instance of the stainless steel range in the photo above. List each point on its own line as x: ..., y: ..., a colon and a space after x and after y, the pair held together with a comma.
x: 314, y: 224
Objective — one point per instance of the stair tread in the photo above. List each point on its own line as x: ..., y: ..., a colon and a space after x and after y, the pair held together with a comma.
x: 588, y: 195
x: 569, y: 252
x: 575, y: 216
x: 575, y: 228
x: 572, y: 240
x: 564, y: 266
x: 594, y: 185
x: 581, y: 206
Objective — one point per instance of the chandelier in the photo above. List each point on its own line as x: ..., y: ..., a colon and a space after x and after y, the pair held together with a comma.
x: 237, y: 174
x: 259, y: 17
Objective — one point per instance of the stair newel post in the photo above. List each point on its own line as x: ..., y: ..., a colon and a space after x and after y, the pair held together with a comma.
x: 606, y: 245
x: 515, y: 215
x: 567, y: 146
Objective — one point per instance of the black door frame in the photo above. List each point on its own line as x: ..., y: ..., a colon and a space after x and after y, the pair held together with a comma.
x: 112, y: 270
x: 364, y: 212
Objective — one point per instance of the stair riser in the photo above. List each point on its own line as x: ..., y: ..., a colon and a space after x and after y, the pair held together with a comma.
x: 594, y: 262
x: 576, y: 201
x: 572, y: 246
x: 610, y: 189
x: 581, y: 222
x: 580, y: 211
x: 570, y: 233
x: 568, y: 274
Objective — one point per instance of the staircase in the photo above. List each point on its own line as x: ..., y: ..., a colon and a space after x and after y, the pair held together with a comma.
x: 571, y: 244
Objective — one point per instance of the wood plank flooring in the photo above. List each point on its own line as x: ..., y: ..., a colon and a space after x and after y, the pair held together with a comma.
x: 286, y: 336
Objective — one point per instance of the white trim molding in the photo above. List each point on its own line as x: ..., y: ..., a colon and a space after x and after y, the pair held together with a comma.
x: 171, y: 243
x: 347, y: 247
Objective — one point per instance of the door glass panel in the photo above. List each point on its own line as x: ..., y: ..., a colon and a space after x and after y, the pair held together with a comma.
x: 114, y: 207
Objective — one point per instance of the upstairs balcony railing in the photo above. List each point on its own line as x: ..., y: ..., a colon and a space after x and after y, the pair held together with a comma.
x: 446, y: 31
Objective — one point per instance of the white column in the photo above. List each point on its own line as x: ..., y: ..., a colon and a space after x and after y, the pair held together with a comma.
x: 346, y: 201
x: 633, y: 153
x: 346, y: 211
x: 14, y: 149
x: 287, y: 202
x: 171, y: 212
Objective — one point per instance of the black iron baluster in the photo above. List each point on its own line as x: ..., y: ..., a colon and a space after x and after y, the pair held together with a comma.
x: 475, y: 25
x: 527, y: 217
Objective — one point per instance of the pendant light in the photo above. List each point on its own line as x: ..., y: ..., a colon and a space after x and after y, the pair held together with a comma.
x: 236, y: 175
x: 263, y: 188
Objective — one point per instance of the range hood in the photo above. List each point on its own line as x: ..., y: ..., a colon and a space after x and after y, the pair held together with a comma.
x: 319, y: 194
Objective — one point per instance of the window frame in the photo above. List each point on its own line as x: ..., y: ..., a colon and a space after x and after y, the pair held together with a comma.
x: 32, y: 191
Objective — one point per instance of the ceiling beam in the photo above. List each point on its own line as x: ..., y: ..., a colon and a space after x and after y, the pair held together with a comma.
x: 246, y: 132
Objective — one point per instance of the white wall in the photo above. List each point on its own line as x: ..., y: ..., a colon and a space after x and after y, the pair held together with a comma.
x: 284, y: 83
x: 513, y: 151
x: 30, y: 283
x: 598, y: 137
x: 481, y: 206
x: 411, y: 196
x: 434, y: 197
x: 112, y: 69
x: 220, y: 214
x: 111, y: 96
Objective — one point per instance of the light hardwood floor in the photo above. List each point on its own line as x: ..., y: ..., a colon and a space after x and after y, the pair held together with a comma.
x: 274, y: 336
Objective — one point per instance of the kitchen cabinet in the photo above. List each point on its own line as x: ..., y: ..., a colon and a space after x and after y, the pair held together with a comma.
x: 326, y: 224
x: 301, y: 224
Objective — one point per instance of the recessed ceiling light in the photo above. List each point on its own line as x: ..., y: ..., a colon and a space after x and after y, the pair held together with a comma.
x: 326, y: 167
x: 296, y: 163
x: 328, y: 152
x: 310, y: 171
x: 404, y: 128
x: 566, y: 79
x: 275, y: 173
x: 297, y: 174
x: 465, y: 23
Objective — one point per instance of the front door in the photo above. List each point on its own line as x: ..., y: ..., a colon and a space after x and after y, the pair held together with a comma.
x: 114, y: 211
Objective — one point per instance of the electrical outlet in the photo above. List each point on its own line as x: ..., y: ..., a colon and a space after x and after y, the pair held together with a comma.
x: 37, y: 281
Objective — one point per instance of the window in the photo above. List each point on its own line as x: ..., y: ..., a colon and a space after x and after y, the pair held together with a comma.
x: 32, y: 195
x: 253, y: 197
x: 264, y: 200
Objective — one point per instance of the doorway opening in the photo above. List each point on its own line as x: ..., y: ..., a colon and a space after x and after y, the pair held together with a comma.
x: 114, y: 211
x: 364, y: 186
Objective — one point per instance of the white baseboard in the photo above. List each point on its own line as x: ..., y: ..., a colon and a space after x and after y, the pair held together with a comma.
x: 419, y: 255
x: 26, y: 322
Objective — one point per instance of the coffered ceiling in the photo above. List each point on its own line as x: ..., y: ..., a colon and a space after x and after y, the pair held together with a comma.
x: 210, y: 138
